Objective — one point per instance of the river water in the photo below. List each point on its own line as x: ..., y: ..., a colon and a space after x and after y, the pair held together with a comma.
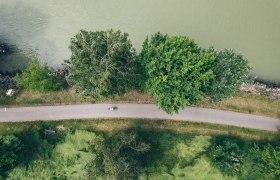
x: 44, y: 27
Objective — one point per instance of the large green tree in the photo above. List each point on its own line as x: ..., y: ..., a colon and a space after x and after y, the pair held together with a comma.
x: 175, y: 70
x: 102, y: 63
x: 227, y: 155
x: 231, y: 69
x: 264, y: 162
x: 10, y: 147
x: 36, y: 78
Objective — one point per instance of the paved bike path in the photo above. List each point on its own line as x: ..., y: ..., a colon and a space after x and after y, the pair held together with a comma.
x: 137, y: 111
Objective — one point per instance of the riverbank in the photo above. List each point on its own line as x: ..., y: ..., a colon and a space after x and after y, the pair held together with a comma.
x: 260, y: 88
x: 247, y: 103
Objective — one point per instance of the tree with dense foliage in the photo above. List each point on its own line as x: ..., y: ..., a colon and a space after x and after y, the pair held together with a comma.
x: 102, y: 63
x: 10, y: 147
x: 175, y: 70
x: 264, y: 162
x: 227, y: 156
x: 36, y: 78
x: 117, y: 157
x: 231, y: 70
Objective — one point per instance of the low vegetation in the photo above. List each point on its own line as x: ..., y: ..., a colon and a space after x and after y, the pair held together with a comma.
x: 36, y: 78
x: 247, y: 103
x: 122, y: 149
x: 231, y: 70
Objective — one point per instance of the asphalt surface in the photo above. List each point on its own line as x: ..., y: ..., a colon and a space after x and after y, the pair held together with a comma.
x: 137, y: 111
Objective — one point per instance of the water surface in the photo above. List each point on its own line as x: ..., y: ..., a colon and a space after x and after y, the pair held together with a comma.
x: 44, y: 27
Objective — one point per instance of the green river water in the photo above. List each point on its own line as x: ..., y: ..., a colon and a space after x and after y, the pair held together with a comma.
x: 43, y: 28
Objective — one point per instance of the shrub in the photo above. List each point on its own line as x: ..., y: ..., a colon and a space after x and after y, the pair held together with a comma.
x: 36, y: 78
x: 231, y: 70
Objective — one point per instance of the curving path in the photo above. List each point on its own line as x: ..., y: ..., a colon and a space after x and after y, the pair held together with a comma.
x: 137, y: 111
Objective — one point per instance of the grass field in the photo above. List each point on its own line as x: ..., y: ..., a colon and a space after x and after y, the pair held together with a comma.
x: 112, y: 125
x: 68, y: 97
x: 248, y: 103
x: 178, y: 150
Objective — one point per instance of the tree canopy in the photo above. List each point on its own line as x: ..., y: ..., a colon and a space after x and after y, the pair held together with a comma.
x: 264, y: 162
x: 231, y: 70
x: 228, y: 156
x: 10, y: 146
x: 36, y: 78
x: 175, y: 70
x: 102, y: 63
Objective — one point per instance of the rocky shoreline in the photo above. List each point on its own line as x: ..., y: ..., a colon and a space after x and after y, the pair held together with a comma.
x: 7, y: 82
x: 59, y: 73
x: 261, y: 89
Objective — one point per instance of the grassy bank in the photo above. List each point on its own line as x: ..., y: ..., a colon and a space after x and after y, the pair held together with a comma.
x: 68, y: 96
x: 177, y: 150
x: 240, y: 102
x: 248, y: 103
x: 111, y: 125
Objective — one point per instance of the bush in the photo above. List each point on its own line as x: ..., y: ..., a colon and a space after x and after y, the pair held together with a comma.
x: 231, y: 70
x: 36, y: 78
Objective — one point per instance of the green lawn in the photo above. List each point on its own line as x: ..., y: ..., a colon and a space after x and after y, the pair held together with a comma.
x: 178, y: 150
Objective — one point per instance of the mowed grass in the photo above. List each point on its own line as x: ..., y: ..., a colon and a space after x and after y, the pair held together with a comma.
x: 248, y: 103
x: 178, y: 150
x: 70, y: 158
x: 69, y: 96
x: 189, y: 159
x: 51, y: 98
x: 240, y: 102
x: 67, y: 159
x: 111, y: 125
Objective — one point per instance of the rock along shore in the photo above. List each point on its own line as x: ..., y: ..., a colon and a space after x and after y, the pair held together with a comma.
x: 261, y: 89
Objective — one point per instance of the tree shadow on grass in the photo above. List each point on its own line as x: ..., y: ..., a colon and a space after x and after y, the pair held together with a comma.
x: 228, y: 154
x: 170, y: 150
x: 160, y: 157
x: 38, y: 145
x: 32, y: 146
